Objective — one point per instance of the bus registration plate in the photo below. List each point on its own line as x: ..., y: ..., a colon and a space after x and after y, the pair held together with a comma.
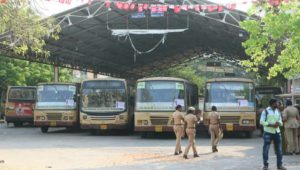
x: 229, y: 127
x: 158, y: 128
x: 52, y: 123
x: 103, y: 127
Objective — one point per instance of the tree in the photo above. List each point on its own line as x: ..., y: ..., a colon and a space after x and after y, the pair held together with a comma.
x: 23, y: 30
x: 25, y: 73
x: 274, y: 38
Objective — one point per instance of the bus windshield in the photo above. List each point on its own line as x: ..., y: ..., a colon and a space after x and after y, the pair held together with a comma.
x: 159, y: 95
x: 230, y: 96
x: 21, y: 94
x: 103, y: 96
x: 56, y: 96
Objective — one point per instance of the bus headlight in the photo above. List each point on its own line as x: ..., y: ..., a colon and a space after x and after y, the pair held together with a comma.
x: 145, y: 122
x: 247, y: 121
x: 42, y: 117
x: 84, y: 117
x: 121, y: 116
x: 139, y: 122
x: 37, y: 117
x: 65, y: 117
x: 70, y: 117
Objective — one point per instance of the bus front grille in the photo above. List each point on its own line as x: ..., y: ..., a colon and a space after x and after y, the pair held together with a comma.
x: 103, y: 118
x: 159, y: 120
x: 230, y: 119
x: 54, y: 116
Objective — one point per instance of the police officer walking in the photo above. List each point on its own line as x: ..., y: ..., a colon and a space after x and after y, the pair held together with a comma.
x: 190, y: 127
x: 214, y: 128
x: 178, y: 128
x: 291, y: 125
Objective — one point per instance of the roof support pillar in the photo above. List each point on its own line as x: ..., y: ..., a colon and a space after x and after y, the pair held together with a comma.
x: 56, y: 73
x: 56, y: 70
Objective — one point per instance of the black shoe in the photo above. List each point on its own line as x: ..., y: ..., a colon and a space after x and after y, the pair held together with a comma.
x: 297, y: 153
x: 214, y: 149
x: 180, y: 152
x: 265, y: 168
x: 196, y: 155
x: 185, y: 157
x: 176, y: 153
x: 281, y: 168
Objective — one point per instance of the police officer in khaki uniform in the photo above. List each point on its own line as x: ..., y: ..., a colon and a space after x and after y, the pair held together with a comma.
x: 214, y: 128
x: 190, y: 128
x: 178, y: 128
x: 291, y: 125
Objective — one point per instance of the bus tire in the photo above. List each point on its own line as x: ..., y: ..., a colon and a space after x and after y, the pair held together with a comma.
x: 18, y: 124
x: 44, y: 129
x: 249, y: 134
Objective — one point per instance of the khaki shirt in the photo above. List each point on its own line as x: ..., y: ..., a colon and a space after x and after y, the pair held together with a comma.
x: 214, y: 118
x: 191, y: 120
x: 291, y: 113
x: 178, y: 118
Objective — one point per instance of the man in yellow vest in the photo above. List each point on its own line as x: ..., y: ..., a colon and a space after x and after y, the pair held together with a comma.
x: 271, y: 120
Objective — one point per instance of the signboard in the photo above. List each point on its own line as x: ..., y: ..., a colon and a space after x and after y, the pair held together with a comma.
x: 138, y: 15
x: 296, y: 85
x: 157, y: 14
x: 120, y: 104
x: 268, y: 90
x: 213, y: 64
x: 141, y: 85
x: 216, y: 69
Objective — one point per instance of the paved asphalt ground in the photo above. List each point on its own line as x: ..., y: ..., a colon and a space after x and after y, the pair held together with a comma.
x: 27, y: 148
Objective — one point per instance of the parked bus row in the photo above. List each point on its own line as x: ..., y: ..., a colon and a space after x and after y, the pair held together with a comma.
x: 112, y: 103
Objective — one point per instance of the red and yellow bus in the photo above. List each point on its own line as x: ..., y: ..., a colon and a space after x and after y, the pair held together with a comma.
x: 20, y: 101
x: 56, y: 106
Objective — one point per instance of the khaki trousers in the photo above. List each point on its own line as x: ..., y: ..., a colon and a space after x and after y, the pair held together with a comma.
x: 191, y: 133
x: 214, y: 134
x: 178, y: 130
x: 292, y: 140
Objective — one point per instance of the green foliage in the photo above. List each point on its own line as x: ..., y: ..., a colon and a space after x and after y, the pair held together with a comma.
x: 22, y: 73
x: 26, y: 29
x: 274, y: 40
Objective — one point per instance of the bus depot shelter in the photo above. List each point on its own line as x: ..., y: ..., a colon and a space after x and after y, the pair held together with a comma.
x: 132, y: 41
x: 293, y: 90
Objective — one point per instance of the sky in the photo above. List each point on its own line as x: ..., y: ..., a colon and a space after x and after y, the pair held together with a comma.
x: 50, y: 7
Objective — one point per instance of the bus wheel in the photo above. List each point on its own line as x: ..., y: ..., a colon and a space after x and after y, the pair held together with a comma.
x: 249, y: 134
x: 44, y: 129
x: 18, y: 124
